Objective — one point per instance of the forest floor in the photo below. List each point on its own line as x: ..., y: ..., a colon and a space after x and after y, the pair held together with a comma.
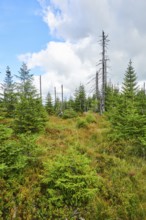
x: 121, y: 173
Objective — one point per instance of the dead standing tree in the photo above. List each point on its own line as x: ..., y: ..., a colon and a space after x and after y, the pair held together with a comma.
x: 103, y: 63
x: 98, y: 82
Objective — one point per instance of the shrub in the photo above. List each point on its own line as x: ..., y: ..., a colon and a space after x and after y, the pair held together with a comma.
x: 15, y: 156
x: 90, y: 118
x: 69, y: 113
x: 68, y: 185
x: 81, y: 123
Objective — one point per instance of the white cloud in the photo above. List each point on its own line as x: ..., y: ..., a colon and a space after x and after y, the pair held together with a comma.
x: 76, y: 19
x: 79, y: 23
x: 63, y: 63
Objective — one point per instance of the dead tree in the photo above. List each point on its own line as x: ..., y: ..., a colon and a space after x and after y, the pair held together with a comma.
x: 104, y: 43
x: 98, y: 82
x: 61, y: 99
x: 41, y: 87
x: 55, y: 96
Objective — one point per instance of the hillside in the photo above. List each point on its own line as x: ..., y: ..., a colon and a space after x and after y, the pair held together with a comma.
x: 72, y: 170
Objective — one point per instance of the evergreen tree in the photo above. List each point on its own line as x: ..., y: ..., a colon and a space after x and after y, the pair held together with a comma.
x: 80, y: 99
x: 57, y: 106
x: 129, y: 88
x: 70, y: 103
x: 30, y: 115
x: 68, y: 181
x: 2, y: 108
x: 130, y: 84
x: 49, y: 105
x: 125, y: 118
x: 9, y: 96
x: 111, y: 98
x: 25, y: 86
x: 141, y: 102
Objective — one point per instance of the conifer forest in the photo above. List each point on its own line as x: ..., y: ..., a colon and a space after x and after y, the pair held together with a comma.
x: 73, y: 159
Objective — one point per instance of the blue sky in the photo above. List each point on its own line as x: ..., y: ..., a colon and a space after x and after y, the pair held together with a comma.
x: 21, y: 30
x: 30, y: 31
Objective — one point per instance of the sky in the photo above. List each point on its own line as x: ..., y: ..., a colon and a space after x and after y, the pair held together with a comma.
x: 59, y: 39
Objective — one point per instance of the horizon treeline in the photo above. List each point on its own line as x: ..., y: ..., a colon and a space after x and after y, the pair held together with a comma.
x: 79, y: 102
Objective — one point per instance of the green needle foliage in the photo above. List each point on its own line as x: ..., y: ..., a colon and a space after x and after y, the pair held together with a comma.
x: 130, y: 82
x: 9, y: 98
x: 16, y: 156
x: 49, y: 105
x: 30, y: 115
x: 68, y: 181
x: 127, y: 117
x: 80, y: 99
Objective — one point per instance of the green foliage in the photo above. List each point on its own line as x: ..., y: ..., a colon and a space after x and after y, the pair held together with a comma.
x: 92, y: 104
x: 48, y: 105
x: 2, y: 109
x: 90, y: 118
x: 47, y: 177
x: 130, y: 84
x: 57, y: 106
x: 127, y: 123
x: 69, y: 113
x: 5, y: 132
x: 12, y: 159
x: 70, y: 103
x: 69, y: 182
x: 80, y: 99
x: 25, y: 87
x: 141, y: 102
x: 98, y: 172
x: 9, y: 95
x: 15, y: 156
x: 112, y: 98
x: 127, y: 115
x: 30, y: 115
x: 81, y: 123
x: 119, y: 189
x: 126, y: 120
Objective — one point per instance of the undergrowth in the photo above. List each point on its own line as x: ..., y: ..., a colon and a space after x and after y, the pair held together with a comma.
x: 72, y: 171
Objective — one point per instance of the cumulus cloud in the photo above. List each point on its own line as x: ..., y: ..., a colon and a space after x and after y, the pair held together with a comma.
x: 77, y: 25
x: 76, y: 19
x: 63, y: 63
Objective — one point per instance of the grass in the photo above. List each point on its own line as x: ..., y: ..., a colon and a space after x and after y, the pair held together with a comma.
x: 91, y: 140
x: 121, y: 194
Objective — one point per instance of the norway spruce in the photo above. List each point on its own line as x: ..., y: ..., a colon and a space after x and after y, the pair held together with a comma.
x: 130, y: 82
x: 126, y: 120
x: 80, y: 99
x: 30, y: 115
x: 9, y: 96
